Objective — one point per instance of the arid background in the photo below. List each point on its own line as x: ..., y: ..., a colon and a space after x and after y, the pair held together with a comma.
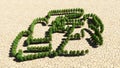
x: 17, y: 15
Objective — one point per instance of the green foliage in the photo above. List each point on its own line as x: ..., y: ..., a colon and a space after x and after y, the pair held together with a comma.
x: 76, y: 36
x: 67, y: 28
x: 25, y: 58
x: 82, y: 33
x: 65, y: 52
x: 48, y: 16
x: 78, y: 53
x: 62, y: 45
x: 38, y: 48
x: 60, y: 52
x: 95, y: 22
x: 28, y: 41
x: 86, y: 51
x: 72, y: 53
x: 71, y: 29
x: 40, y: 40
x: 100, y: 23
x: 73, y: 15
x: 44, y: 20
x: 55, y: 53
x: 97, y: 36
x: 82, y: 52
x: 15, y: 43
x: 19, y: 55
x: 31, y: 27
x: 26, y: 33
x: 65, y: 11
x: 35, y: 56
x: 71, y: 18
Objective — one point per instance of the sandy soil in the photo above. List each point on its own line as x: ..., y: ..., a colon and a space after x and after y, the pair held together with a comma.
x: 16, y: 16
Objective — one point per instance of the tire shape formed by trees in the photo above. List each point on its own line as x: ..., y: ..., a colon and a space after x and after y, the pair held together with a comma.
x: 66, y: 17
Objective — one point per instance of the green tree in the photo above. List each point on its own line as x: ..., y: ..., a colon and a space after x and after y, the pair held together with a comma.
x: 82, y: 33
x: 35, y: 56
x: 19, y: 55
x: 82, y: 52
x: 86, y: 51
x: 78, y: 53
x: 77, y: 36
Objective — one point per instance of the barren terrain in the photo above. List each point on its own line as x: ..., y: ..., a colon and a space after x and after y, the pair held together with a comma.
x: 16, y: 16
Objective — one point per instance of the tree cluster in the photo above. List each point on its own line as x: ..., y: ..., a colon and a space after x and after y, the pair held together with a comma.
x: 76, y: 36
x: 40, y: 40
x: 15, y: 43
x: 65, y: 11
x: 39, y: 48
x: 73, y: 15
x: 96, y: 36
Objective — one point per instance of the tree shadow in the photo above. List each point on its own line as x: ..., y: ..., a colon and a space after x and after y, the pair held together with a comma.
x: 16, y: 60
x: 25, y: 44
x: 91, y: 42
x: 50, y: 25
x: 10, y: 55
x: 43, y: 24
x: 89, y: 21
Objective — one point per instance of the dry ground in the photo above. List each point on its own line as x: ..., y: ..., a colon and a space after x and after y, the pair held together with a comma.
x: 17, y: 15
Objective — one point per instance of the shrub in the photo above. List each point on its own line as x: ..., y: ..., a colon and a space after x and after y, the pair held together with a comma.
x: 50, y: 46
x: 19, y: 55
x: 31, y: 27
x: 65, y: 52
x: 31, y: 57
x: 39, y: 55
x: 74, y: 37
x: 24, y: 58
x: 38, y: 48
x: 78, y: 53
x: 35, y: 56
x: 72, y: 53
x: 48, y: 16
x: 28, y: 57
x: 40, y: 40
x: 25, y: 33
x: 82, y: 52
x: 67, y: 28
x: 86, y: 51
x: 44, y: 20
x: 70, y: 30
x: 13, y: 50
x: 73, y: 15
x: 77, y: 36
x: 71, y: 37
x: 97, y: 37
x: 82, y: 33
x: 55, y: 53
x: 43, y: 55
x: 15, y: 43
x: 95, y: 22
x: 70, y: 18
x: 101, y: 24
x: 29, y: 39
x: 60, y: 52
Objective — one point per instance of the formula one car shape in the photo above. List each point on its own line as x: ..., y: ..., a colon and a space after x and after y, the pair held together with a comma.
x: 66, y: 21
